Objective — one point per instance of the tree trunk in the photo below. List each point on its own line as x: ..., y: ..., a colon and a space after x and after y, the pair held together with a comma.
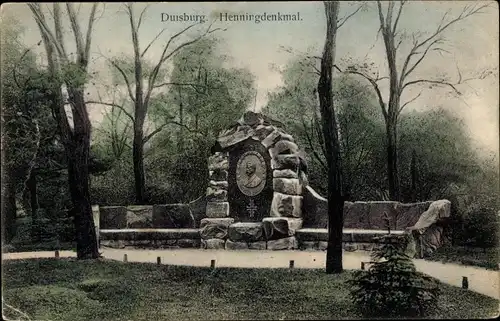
x: 9, y: 226
x: 413, y: 169
x: 392, y: 160
x: 78, y: 151
x: 332, y: 145
x: 138, y: 159
x: 33, y: 199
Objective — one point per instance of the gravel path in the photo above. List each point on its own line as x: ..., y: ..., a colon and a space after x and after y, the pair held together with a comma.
x: 483, y: 281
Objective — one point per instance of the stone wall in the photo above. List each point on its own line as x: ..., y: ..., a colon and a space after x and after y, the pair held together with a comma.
x: 362, y: 215
x: 146, y: 216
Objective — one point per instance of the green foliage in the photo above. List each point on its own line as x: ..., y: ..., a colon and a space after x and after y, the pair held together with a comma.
x: 360, y: 126
x: 392, y: 286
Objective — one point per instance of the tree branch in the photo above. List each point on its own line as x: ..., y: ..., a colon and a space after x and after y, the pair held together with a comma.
x: 89, y: 32
x: 112, y: 105
x: 76, y: 30
x: 125, y: 78
x: 375, y: 86
x: 436, y: 82
x: 341, y: 21
x: 409, y: 101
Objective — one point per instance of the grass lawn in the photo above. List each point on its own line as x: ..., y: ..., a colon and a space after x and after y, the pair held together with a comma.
x: 486, y: 258
x: 66, y: 289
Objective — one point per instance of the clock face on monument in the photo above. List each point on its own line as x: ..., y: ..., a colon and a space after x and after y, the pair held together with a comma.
x: 251, y: 173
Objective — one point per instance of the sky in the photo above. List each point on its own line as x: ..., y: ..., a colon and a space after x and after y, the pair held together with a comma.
x: 472, y: 45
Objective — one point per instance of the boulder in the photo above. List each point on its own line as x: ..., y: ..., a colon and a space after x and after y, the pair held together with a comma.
x: 245, y: 231
x: 230, y: 245
x: 290, y: 186
x: 427, y: 231
x: 284, y: 173
x: 260, y: 245
x: 288, y: 243
x: 173, y: 216
x: 139, y: 216
x: 315, y: 209
x: 214, y: 228
x: 280, y: 227
x: 213, y: 244
x: 113, y: 217
x: 217, y: 209
x: 286, y: 205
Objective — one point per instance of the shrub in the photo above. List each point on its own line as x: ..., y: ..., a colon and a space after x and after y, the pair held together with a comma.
x: 392, y: 286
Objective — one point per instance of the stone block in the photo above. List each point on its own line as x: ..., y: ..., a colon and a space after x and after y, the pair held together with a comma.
x: 289, y: 186
x: 188, y: 243
x: 173, y: 216
x: 284, y: 173
x: 213, y: 244
x: 245, y: 231
x: 140, y: 216
x: 322, y: 245
x: 262, y: 131
x: 283, y: 147
x: 312, y: 234
x: 217, y: 209
x: 230, y: 245
x: 216, y: 195
x: 308, y: 245
x: 211, y: 228
x: 288, y: 243
x: 113, y: 217
x: 150, y: 234
x: 218, y: 175
x: 218, y: 161
x: 280, y: 227
x: 226, y: 221
x: 290, y: 161
x: 286, y: 205
x: 349, y: 247
x: 218, y: 184
x: 271, y: 139
x: 260, y: 245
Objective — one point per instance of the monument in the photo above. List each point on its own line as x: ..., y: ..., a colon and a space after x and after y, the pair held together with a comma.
x: 255, y: 190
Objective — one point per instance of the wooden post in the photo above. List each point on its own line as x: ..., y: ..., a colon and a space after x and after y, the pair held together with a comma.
x: 212, y: 264
x: 362, y: 265
x: 57, y: 253
x: 158, y: 260
x: 465, y: 282
x: 125, y: 258
x: 292, y: 263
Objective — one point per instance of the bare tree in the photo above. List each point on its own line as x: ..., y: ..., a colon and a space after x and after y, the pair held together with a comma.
x: 399, y: 76
x: 142, y: 94
x: 76, y: 139
x: 331, y: 141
